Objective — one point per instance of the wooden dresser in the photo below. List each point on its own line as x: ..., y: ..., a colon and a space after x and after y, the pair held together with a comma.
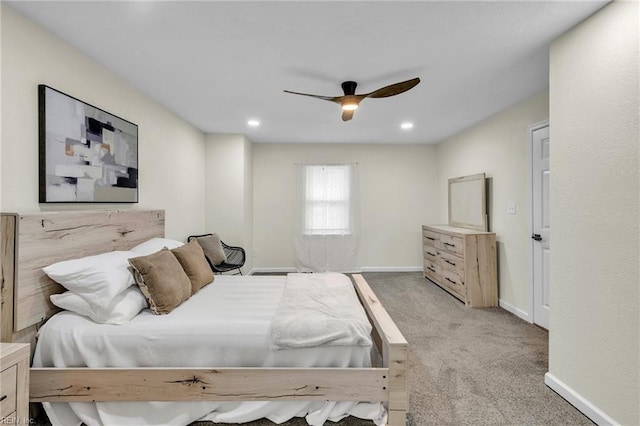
x: 462, y: 262
x: 14, y: 383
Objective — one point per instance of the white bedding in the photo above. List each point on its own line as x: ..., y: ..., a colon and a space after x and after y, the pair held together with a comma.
x: 225, y: 324
x: 319, y: 309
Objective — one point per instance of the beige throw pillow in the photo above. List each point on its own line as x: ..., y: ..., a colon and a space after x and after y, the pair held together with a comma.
x: 162, y: 280
x: 212, y: 248
x: 192, y: 259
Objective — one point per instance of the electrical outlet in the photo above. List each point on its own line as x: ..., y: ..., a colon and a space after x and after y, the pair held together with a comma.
x: 511, y: 207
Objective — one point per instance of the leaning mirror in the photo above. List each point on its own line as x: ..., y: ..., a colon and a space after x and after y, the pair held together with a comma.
x: 467, y: 202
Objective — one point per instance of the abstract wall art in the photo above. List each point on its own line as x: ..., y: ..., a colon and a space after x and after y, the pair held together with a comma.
x: 87, y: 155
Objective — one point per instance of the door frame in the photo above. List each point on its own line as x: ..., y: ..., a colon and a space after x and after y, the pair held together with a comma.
x: 530, y: 130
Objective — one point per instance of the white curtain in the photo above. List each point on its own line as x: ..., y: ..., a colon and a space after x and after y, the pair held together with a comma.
x: 327, y: 218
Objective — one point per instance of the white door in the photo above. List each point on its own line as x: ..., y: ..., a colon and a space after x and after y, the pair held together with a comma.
x: 540, y: 228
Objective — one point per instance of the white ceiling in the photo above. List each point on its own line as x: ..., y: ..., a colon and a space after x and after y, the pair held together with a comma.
x: 218, y: 64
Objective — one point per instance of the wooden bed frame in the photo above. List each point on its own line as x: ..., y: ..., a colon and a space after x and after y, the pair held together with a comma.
x: 31, y: 241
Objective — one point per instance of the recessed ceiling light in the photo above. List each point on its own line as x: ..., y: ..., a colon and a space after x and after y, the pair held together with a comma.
x: 406, y: 125
x: 253, y: 123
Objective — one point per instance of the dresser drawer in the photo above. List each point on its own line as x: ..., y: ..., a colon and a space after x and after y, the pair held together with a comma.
x: 452, y: 262
x: 453, y: 281
x: 431, y: 254
x: 430, y: 238
x: 8, y: 390
x: 452, y: 244
x: 432, y: 270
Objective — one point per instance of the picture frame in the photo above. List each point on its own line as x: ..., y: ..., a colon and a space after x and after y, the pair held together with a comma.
x: 86, y: 154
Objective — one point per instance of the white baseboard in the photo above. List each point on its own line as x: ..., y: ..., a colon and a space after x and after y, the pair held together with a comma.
x: 598, y: 416
x: 391, y: 268
x: 515, y: 311
x: 284, y: 269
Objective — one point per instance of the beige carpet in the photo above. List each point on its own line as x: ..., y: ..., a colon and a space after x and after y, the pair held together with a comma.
x: 466, y: 366
x: 470, y: 366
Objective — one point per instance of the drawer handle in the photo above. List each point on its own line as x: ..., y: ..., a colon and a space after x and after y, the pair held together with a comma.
x: 450, y: 280
x: 449, y: 244
x: 431, y: 269
x: 450, y: 262
x: 429, y: 238
x: 3, y: 397
x: 431, y: 254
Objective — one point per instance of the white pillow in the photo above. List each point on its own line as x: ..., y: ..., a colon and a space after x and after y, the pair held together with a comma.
x: 154, y: 245
x: 97, y: 279
x: 124, y: 306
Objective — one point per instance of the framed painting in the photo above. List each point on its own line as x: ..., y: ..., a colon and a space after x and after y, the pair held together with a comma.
x: 87, y: 155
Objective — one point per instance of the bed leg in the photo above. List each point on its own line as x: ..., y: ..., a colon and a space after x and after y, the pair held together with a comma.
x: 396, y: 360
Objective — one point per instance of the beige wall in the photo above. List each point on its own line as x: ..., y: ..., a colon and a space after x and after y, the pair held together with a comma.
x: 171, y: 172
x: 499, y: 147
x: 229, y: 191
x: 594, y: 346
x: 398, y: 194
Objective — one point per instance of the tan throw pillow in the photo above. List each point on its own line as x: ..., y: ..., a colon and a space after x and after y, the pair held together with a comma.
x: 192, y: 259
x: 162, y: 280
x: 212, y: 248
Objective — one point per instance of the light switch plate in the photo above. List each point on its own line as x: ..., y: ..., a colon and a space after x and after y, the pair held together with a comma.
x: 511, y: 207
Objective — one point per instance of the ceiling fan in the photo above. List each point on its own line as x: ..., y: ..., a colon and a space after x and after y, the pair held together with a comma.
x: 350, y: 101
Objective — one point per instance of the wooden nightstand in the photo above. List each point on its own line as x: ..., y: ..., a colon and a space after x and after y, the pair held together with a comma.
x: 14, y: 383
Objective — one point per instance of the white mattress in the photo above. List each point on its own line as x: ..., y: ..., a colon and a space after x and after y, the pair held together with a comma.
x: 226, y: 324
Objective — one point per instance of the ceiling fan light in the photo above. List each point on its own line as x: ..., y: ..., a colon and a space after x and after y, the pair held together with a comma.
x: 349, y: 105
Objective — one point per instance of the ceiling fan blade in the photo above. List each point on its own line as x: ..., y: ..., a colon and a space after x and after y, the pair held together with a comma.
x: 326, y: 98
x: 394, y: 89
x: 347, y: 115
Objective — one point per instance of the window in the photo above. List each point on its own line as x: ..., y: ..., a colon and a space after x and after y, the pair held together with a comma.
x: 327, y: 199
x: 326, y: 217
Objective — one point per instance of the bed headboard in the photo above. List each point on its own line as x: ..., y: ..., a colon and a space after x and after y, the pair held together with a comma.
x: 30, y: 242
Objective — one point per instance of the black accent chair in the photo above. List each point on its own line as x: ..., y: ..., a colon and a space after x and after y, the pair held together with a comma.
x: 236, y: 257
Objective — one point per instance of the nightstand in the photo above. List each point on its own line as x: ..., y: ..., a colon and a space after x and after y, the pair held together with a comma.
x: 14, y: 383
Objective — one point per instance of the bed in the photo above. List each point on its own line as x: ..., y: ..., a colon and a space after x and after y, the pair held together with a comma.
x: 30, y: 242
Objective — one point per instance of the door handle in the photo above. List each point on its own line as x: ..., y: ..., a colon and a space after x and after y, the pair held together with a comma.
x: 537, y: 237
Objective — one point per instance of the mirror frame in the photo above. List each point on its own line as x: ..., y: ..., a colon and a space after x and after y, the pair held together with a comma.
x: 453, y: 182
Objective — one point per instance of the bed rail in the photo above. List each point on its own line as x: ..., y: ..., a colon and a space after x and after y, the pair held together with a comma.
x: 220, y: 384
x: 393, y: 347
